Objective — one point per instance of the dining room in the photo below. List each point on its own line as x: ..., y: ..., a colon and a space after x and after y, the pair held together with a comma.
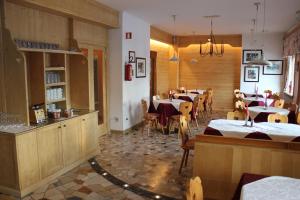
x: 132, y: 100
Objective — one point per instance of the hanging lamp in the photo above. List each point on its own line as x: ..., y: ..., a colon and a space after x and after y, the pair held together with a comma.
x: 174, y: 58
x: 261, y: 60
x: 211, y: 48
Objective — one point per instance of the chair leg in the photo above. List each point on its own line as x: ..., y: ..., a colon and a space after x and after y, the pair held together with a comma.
x: 186, y: 157
x: 182, y: 160
x: 196, y: 121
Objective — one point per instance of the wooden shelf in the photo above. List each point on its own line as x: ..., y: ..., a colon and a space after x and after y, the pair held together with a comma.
x: 49, y: 51
x: 55, y: 101
x: 55, y: 84
x: 55, y: 69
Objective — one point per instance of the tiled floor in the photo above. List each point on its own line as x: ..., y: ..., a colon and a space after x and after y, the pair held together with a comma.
x: 150, y: 163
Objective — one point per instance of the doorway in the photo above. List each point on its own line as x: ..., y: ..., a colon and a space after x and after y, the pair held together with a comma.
x: 153, y: 56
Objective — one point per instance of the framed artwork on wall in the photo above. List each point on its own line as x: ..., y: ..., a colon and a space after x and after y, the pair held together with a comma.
x: 274, y: 69
x: 140, y: 67
x: 251, y: 54
x: 131, y: 57
x: 251, y: 74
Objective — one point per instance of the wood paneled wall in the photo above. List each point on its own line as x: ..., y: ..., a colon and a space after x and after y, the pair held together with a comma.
x: 222, y: 74
x: 162, y: 65
x: 32, y: 24
x: 90, y: 33
x: 86, y: 10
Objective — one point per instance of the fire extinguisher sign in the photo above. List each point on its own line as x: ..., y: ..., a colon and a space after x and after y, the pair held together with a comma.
x: 128, y: 35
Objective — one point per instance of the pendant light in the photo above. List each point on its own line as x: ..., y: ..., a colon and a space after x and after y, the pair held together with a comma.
x: 261, y: 60
x: 211, y: 48
x: 174, y: 58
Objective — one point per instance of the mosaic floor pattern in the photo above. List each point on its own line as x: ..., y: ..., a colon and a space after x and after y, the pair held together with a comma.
x: 150, y: 163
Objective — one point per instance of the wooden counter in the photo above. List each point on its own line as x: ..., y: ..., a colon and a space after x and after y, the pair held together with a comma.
x: 35, y: 157
x: 220, y: 162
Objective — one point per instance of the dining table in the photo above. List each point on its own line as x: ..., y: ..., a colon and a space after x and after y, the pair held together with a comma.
x: 186, y: 96
x: 280, y: 132
x: 196, y: 91
x: 165, y: 108
x: 272, y: 188
x: 261, y: 113
x: 258, y: 101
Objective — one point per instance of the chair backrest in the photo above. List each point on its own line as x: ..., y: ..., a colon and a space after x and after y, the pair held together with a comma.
x: 209, y: 95
x: 201, y: 106
x: 183, y: 129
x: 144, y: 107
x: 196, y: 103
x: 279, y: 103
x: 277, y: 118
x: 298, y: 118
x: 185, y: 108
x: 236, y: 91
x: 195, y: 190
x: 236, y: 115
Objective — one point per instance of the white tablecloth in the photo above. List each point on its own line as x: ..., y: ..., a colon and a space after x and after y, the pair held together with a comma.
x: 174, y: 102
x: 272, y: 188
x: 197, y: 90
x: 251, y: 99
x: 191, y: 95
x: 277, y: 131
x: 255, y: 110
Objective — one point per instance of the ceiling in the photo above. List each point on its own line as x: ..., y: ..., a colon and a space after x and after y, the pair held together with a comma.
x: 235, y: 17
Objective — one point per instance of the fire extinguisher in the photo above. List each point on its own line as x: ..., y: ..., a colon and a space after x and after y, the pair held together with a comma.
x: 128, y: 72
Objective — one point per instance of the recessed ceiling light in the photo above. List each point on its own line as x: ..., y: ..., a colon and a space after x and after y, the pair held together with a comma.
x: 104, y: 174
x: 93, y: 163
x: 126, y: 185
x: 157, y: 197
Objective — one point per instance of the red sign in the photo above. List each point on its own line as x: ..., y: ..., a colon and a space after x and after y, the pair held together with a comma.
x: 128, y: 35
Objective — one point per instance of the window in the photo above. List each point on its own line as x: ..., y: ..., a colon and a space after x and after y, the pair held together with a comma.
x: 289, y: 84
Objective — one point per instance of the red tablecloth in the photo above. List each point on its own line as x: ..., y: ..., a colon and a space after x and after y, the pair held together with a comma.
x: 165, y: 110
x: 185, y: 98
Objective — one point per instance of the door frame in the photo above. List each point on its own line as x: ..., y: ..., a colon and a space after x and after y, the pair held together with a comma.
x: 153, y: 75
x: 105, y: 127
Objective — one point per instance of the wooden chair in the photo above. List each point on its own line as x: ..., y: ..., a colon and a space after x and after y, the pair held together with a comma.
x: 186, y: 143
x: 201, y: 106
x: 236, y: 91
x: 196, y: 104
x: 195, y: 190
x: 277, y: 118
x: 279, y: 103
x: 298, y: 118
x: 184, y: 108
x: 209, y: 100
x: 149, y: 118
x: 236, y: 115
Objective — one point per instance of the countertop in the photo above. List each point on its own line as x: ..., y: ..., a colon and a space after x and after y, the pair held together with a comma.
x: 22, y: 129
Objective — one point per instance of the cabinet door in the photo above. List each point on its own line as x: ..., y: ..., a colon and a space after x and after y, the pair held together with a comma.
x: 71, y: 140
x: 89, y: 133
x: 27, y: 156
x: 50, y: 149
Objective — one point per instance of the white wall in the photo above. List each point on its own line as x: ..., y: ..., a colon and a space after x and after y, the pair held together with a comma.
x: 273, y: 49
x: 125, y: 96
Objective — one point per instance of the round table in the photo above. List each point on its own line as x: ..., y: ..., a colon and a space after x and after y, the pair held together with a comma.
x: 186, y: 96
x: 272, y: 188
x: 256, y: 110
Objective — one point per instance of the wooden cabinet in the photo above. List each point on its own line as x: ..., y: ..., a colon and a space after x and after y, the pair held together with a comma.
x: 27, y: 158
x: 89, y: 133
x: 71, y: 141
x: 49, y: 149
x: 31, y: 159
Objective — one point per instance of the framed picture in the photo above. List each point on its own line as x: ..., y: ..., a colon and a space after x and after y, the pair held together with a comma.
x: 251, y: 74
x: 251, y: 54
x: 131, y: 56
x: 140, y: 67
x: 274, y: 69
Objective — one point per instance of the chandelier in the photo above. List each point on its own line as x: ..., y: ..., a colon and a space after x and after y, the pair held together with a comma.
x: 211, y: 47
